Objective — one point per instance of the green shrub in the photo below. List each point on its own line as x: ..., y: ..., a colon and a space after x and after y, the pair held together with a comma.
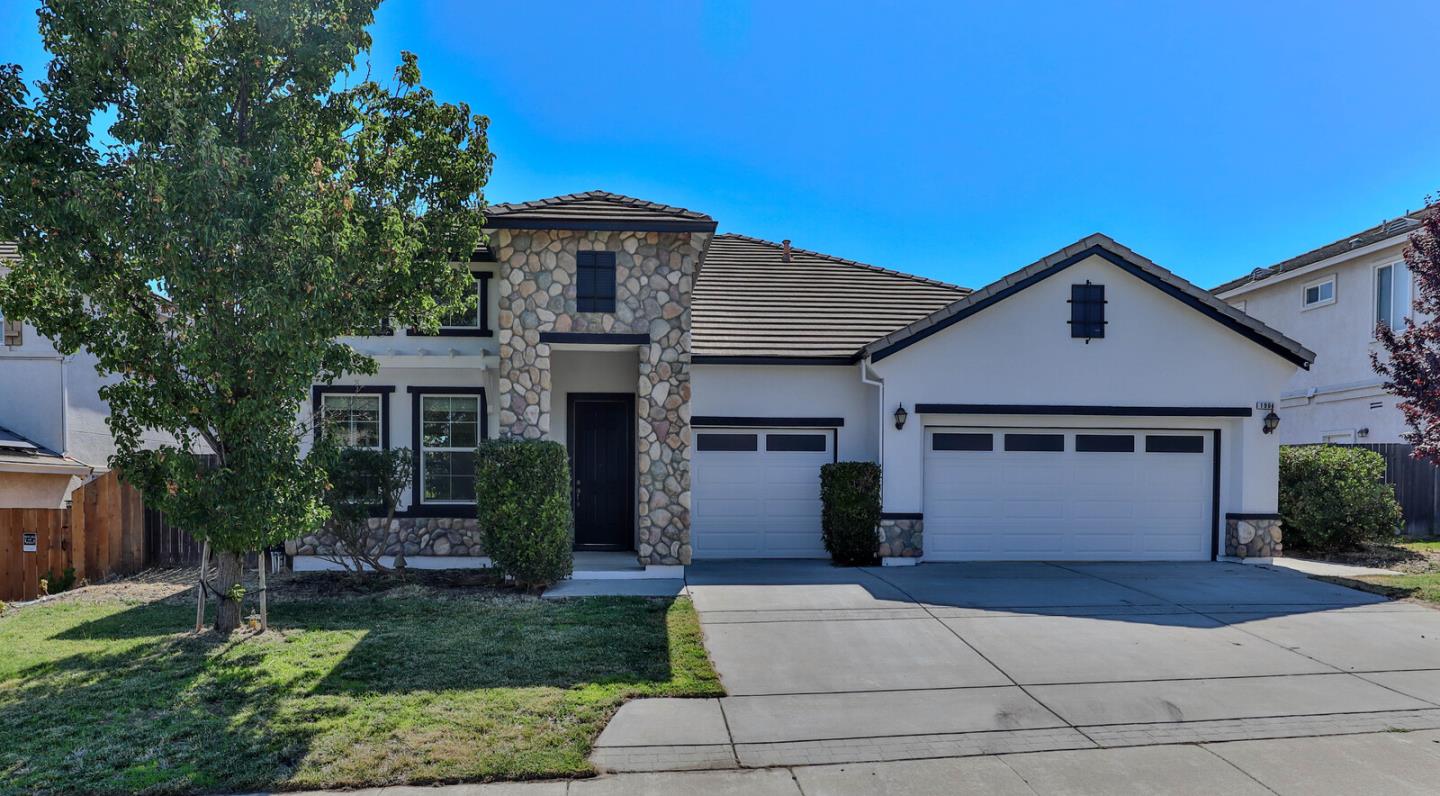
x: 50, y: 583
x: 522, y: 490
x: 1333, y: 497
x: 850, y: 518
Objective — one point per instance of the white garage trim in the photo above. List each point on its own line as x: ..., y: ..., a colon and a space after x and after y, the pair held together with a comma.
x: 996, y: 492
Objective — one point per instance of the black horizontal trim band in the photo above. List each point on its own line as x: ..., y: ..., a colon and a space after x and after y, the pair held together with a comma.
x: 446, y: 389
x: 595, y: 338
x: 1107, y: 411
x: 766, y: 359
x: 600, y: 225
x: 902, y: 515
x: 1237, y: 516
x: 351, y: 388
x: 1114, y: 259
x: 767, y: 422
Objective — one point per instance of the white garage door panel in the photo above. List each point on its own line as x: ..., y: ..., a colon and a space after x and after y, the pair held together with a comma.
x: 1067, y: 505
x: 758, y: 503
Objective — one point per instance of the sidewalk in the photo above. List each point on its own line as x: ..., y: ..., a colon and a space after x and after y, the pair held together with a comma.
x: 1375, y: 764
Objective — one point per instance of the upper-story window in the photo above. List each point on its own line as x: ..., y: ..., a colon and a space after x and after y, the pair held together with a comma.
x: 473, y: 321
x: 1087, y: 311
x: 1319, y: 293
x: 1392, y: 294
x: 595, y: 281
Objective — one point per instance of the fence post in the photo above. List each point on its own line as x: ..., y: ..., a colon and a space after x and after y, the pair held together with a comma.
x: 200, y: 588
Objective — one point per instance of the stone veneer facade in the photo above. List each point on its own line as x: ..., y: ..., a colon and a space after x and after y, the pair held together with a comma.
x: 421, y: 536
x: 902, y: 538
x: 1253, y: 535
x: 654, y: 275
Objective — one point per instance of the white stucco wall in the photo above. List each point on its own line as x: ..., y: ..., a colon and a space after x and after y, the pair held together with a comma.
x: 580, y: 371
x: 793, y: 391
x: 1156, y: 352
x: 1336, y: 395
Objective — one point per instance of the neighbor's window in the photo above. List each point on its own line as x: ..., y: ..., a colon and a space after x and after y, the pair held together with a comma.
x: 595, y: 282
x: 1318, y: 294
x: 449, y: 434
x: 1087, y: 311
x: 352, y: 420
x: 1392, y: 295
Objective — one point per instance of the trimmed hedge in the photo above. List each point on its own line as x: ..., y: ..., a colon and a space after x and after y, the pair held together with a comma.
x: 1333, y: 497
x: 850, y: 518
x: 522, y: 490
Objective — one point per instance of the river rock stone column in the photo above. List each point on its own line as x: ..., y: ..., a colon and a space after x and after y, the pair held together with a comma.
x: 1253, y: 535
x: 902, y: 537
x: 654, y: 275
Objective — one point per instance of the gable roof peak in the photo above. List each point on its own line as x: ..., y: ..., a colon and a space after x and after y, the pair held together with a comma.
x: 602, y: 210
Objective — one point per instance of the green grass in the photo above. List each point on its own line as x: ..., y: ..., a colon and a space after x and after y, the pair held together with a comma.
x: 116, y: 698
x: 1422, y: 547
x: 1420, y: 587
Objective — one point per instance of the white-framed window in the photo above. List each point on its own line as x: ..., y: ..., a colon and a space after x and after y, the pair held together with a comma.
x: 1318, y: 293
x: 451, y: 427
x: 1392, y: 294
x: 355, y: 419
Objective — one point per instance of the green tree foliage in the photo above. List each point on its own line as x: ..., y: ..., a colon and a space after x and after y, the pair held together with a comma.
x: 522, y: 489
x: 275, y: 195
x: 362, y: 480
x: 850, y: 513
x: 1333, y: 497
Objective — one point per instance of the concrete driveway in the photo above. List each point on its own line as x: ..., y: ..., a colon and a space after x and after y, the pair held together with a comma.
x: 827, y: 665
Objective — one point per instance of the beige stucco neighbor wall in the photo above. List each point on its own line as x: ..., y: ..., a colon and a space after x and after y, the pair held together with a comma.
x: 654, y: 275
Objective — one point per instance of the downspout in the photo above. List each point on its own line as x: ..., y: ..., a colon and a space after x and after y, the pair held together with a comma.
x: 879, y: 384
x: 65, y: 410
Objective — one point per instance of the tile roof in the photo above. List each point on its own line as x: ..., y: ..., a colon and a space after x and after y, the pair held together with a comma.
x: 596, y: 210
x: 1397, y: 228
x: 1118, y: 254
x: 748, y: 302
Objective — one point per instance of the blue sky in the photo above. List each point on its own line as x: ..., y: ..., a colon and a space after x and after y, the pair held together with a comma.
x: 956, y: 140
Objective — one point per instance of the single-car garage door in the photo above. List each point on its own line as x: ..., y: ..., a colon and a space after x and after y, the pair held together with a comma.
x: 756, y: 492
x: 1067, y: 494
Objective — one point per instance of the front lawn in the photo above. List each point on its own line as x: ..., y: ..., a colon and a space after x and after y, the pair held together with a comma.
x: 406, y: 685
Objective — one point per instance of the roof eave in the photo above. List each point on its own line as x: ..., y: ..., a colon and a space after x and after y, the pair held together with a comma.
x: 599, y: 225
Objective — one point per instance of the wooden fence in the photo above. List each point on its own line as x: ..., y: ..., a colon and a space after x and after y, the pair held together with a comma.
x: 1417, y: 486
x: 101, y: 534
x: 167, y: 545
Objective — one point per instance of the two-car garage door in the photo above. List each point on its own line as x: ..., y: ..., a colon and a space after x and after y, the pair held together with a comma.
x: 1067, y: 494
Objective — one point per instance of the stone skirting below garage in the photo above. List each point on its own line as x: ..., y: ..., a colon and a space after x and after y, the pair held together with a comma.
x: 419, y: 536
x: 1253, y: 535
x: 902, y: 536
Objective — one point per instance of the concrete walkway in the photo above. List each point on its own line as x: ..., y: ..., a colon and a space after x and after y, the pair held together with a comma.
x: 848, y: 666
x: 1308, y: 567
x: 1379, y: 765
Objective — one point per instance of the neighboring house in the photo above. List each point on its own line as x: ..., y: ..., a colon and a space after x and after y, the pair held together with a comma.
x: 32, y: 477
x: 1332, y: 298
x: 50, y: 400
x: 1091, y: 405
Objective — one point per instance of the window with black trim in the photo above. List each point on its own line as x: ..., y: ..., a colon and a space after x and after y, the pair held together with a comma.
x: 1087, y: 311
x: 947, y: 441
x: 352, y: 420
x: 1105, y: 443
x: 473, y: 317
x: 726, y: 442
x: 1043, y: 443
x: 795, y: 443
x: 451, y: 427
x: 595, y: 281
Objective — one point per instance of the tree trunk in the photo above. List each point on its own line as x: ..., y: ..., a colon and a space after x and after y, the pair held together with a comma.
x: 229, y: 568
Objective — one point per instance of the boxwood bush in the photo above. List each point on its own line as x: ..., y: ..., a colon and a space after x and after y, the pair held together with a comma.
x: 522, y: 490
x: 850, y: 517
x: 1334, y: 497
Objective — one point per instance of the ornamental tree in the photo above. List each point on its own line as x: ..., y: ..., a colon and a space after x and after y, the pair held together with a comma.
x: 206, y: 194
x: 1411, y: 365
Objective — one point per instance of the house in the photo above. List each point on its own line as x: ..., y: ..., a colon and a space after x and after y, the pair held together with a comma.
x: 1333, y: 297
x: 1091, y: 405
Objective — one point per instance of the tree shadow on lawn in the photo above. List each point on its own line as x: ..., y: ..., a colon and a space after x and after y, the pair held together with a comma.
x: 364, y: 691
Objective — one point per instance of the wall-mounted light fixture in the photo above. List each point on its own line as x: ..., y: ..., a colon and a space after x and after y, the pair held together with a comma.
x: 1272, y: 422
x: 900, y: 416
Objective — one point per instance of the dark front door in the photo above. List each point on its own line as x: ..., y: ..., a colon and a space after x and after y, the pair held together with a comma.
x: 602, y: 466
